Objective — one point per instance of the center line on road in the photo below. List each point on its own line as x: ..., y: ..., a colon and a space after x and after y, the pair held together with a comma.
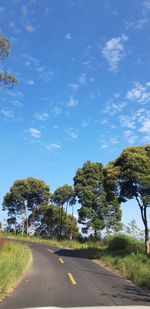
x: 61, y: 261
x: 50, y: 251
x: 73, y: 281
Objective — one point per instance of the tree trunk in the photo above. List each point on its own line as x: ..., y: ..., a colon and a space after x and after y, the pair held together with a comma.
x: 143, y: 209
x: 61, y: 215
x: 72, y: 222
x: 147, y: 243
x: 23, y: 219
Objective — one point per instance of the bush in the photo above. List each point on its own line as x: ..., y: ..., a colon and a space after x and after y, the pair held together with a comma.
x: 126, y: 243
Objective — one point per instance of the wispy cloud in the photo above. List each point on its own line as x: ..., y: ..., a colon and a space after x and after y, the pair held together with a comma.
x: 30, y: 82
x: 104, y: 146
x: 30, y: 28
x: 41, y: 116
x: 35, y: 132
x: 145, y: 127
x: 139, y: 93
x: 68, y: 36
x: 137, y: 24
x: 9, y: 114
x: 82, y: 79
x: 57, y: 110
x: 53, y: 147
x: 114, y: 52
x: 72, y: 133
x: 112, y: 108
x: 72, y: 102
x: 74, y: 86
x: 130, y: 136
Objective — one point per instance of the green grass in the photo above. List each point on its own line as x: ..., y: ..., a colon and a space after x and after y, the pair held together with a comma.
x: 131, y: 262
x: 14, y: 262
x: 72, y: 244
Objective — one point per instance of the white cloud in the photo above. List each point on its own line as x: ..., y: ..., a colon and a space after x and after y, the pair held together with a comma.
x: 72, y: 102
x: 68, y: 36
x: 114, y: 52
x: 30, y: 28
x: 73, y: 86
x: 72, y: 133
x: 138, y: 24
x: 82, y: 79
x: 139, y: 93
x: 8, y: 113
x: 35, y: 132
x: 57, y: 110
x: 126, y: 121
x: 146, y: 127
x: 41, y: 116
x: 104, y: 146
x: 112, y: 108
x: 130, y: 136
x: 53, y: 147
x: 146, y: 5
x: 30, y: 82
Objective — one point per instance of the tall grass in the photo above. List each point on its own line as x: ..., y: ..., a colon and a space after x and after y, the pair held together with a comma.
x: 14, y: 261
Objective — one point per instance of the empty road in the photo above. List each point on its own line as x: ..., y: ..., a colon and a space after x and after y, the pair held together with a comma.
x: 58, y: 277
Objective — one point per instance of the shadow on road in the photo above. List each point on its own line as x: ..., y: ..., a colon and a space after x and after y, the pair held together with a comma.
x: 126, y: 291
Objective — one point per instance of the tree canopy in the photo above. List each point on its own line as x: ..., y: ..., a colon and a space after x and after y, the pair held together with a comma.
x: 132, y: 170
x: 90, y: 188
x: 26, y: 195
x: 6, y: 78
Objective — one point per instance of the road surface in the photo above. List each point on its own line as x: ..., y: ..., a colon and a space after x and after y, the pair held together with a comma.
x: 58, y: 277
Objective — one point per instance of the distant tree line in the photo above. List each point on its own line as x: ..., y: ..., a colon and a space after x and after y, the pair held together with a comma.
x: 99, y: 190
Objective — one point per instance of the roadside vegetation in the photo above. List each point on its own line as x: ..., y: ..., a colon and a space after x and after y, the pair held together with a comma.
x: 15, y: 259
x: 120, y: 253
x: 98, y: 192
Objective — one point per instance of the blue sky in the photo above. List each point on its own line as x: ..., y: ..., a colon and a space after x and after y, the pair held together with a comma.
x: 84, y: 87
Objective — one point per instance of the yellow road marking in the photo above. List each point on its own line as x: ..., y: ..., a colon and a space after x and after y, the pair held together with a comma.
x: 73, y: 281
x: 61, y: 261
x: 50, y: 251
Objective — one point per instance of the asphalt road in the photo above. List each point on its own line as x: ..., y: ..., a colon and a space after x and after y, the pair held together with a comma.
x: 58, y: 277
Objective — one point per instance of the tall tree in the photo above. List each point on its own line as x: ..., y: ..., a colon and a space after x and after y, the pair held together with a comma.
x: 6, y: 78
x: 48, y: 222
x: 63, y: 196
x: 133, y: 174
x: 24, y: 197
x: 90, y: 189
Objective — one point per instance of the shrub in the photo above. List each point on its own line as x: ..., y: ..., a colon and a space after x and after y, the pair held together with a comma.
x: 126, y: 243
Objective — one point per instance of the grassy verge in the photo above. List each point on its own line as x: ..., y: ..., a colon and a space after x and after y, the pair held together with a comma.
x: 72, y: 244
x: 15, y: 259
x: 131, y: 262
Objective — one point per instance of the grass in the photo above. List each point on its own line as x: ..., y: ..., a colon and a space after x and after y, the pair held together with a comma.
x: 15, y: 259
x: 131, y: 262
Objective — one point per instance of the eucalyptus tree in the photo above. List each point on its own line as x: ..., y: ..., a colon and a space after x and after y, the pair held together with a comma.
x: 25, y: 196
x: 97, y: 204
x: 63, y: 196
x: 132, y: 171
x: 5, y: 48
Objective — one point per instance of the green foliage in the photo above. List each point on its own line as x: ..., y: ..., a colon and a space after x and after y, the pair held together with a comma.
x: 132, y: 170
x: 14, y: 261
x: 125, y: 243
x: 99, y: 208
x: 6, y: 78
x: 63, y: 195
x: 49, y: 223
x: 26, y: 195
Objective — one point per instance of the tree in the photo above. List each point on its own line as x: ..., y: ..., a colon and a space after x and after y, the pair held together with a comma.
x: 48, y: 223
x: 63, y: 196
x: 24, y: 197
x: 133, y: 174
x: 96, y: 209
x: 5, y: 48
